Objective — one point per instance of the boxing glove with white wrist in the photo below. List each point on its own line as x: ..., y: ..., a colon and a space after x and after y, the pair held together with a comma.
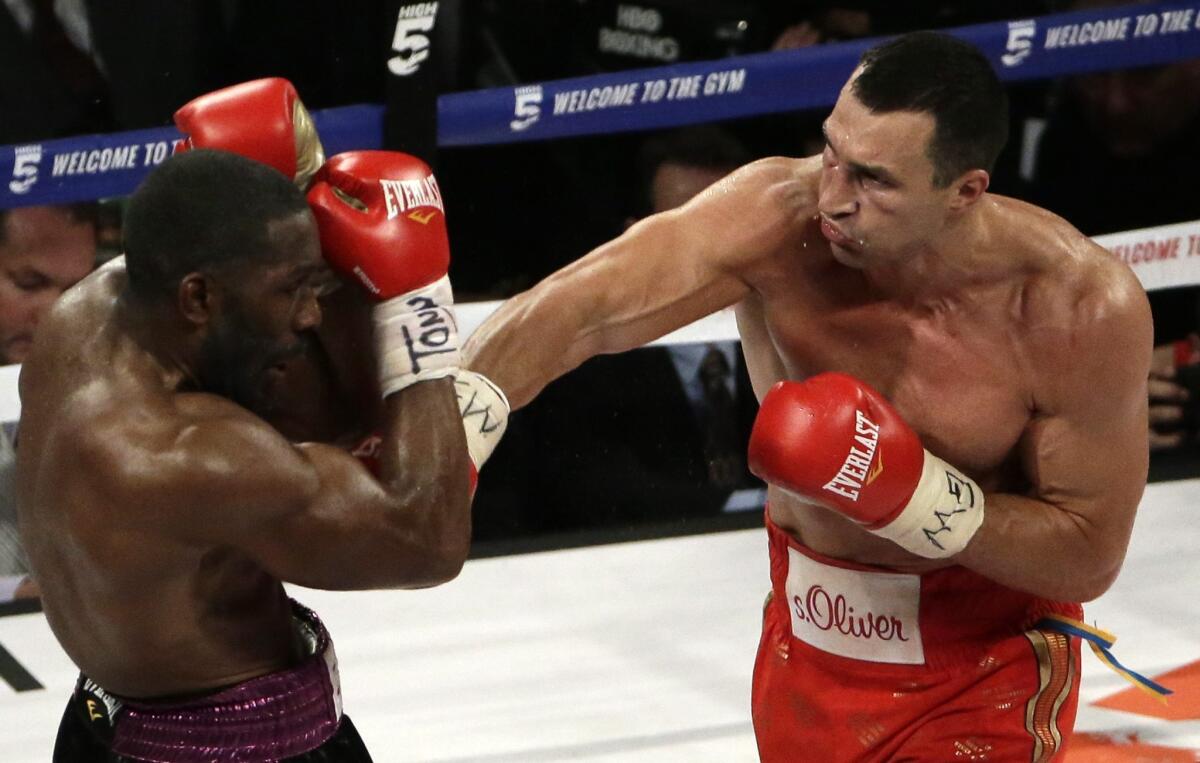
x: 382, y: 223
x: 834, y: 441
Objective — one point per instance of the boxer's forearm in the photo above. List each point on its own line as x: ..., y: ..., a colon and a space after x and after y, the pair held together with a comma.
x: 424, y: 467
x: 530, y: 341
x: 1047, y: 550
x: 410, y: 528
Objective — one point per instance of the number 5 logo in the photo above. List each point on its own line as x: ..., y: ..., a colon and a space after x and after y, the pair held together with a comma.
x: 408, y: 40
x: 25, y: 168
x: 1020, y: 41
x: 528, y: 108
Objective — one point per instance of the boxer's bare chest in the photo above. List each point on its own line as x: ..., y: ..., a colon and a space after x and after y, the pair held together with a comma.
x: 953, y: 371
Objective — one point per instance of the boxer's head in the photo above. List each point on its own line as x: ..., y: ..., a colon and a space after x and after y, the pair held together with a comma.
x: 227, y: 249
x: 909, y: 145
x: 43, y: 252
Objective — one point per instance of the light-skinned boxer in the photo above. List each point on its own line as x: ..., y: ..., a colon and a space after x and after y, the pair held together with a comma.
x: 971, y: 469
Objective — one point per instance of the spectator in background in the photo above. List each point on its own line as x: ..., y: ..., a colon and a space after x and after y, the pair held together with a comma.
x: 1175, y: 392
x: 43, y: 252
x: 1121, y: 151
x: 51, y: 84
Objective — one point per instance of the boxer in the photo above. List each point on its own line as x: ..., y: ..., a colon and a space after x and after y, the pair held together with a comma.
x: 161, y: 511
x: 953, y: 417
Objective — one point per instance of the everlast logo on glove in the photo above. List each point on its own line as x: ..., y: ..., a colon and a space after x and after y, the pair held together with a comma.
x: 856, y: 470
x: 402, y: 195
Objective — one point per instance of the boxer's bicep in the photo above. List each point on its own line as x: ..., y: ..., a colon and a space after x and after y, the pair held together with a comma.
x: 678, y: 266
x: 1088, y: 454
x: 351, y: 533
x: 407, y: 527
x: 663, y: 273
x: 666, y: 272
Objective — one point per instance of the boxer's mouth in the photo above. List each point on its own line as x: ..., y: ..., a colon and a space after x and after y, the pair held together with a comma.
x: 835, y: 235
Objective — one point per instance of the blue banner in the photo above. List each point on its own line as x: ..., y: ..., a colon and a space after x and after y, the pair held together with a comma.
x: 97, y: 166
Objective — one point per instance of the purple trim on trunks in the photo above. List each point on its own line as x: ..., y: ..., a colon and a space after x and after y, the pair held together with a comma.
x: 274, y: 716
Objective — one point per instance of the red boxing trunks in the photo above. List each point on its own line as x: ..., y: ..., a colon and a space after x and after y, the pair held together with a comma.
x: 862, y: 664
x: 294, y: 714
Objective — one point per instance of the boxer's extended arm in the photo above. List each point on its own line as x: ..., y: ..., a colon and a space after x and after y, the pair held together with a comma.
x: 666, y: 271
x: 1086, y: 454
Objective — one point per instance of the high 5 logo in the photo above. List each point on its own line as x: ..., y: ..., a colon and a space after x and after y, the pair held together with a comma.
x: 528, y: 108
x: 25, y: 168
x: 408, y: 40
x: 1020, y: 41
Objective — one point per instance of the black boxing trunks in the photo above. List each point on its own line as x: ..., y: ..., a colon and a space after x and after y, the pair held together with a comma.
x: 293, y: 714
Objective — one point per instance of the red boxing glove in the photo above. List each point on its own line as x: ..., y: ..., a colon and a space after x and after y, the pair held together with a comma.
x: 836, y: 442
x: 382, y: 222
x: 262, y: 120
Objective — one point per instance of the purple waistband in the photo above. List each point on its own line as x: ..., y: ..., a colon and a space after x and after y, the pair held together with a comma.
x: 274, y: 716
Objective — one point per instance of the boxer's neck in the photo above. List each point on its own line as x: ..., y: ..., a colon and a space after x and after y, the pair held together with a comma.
x: 958, y: 257
x: 166, y: 352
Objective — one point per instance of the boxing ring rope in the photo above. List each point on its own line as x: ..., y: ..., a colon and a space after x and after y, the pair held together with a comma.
x: 1161, y: 257
x: 98, y: 166
x: 106, y: 165
x: 680, y: 707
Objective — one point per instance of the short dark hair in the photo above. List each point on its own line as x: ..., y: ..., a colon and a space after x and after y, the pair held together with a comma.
x: 83, y: 212
x: 202, y: 210
x: 952, y: 81
x: 705, y: 146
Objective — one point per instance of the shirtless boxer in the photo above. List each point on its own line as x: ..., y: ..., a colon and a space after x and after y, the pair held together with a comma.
x: 161, y: 512
x: 905, y: 617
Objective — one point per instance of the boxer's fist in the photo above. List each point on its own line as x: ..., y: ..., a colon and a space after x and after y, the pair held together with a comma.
x: 836, y: 442
x: 484, y: 410
x: 381, y: 220
x: 262, y: 120
x: 382, y: 223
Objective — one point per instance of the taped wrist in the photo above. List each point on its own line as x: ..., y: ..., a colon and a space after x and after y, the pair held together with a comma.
x: 416, y: 337
x: 942, y: 515
x: 484, y: 409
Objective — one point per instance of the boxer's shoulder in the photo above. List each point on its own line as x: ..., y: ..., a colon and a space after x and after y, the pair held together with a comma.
x: 81, y: 308
x: 1062, y: 267
x: 757, y: 211
x: 777, y: 183
x: 1078, y: 305
x: 183, y: 449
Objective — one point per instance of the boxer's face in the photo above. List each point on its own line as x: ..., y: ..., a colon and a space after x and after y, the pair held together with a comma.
x: 877, y: 198
x: 43, y: 252
x: 268, y: 313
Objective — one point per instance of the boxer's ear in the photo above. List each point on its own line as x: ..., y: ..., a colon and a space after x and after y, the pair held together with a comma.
x: 968, y: 188
x: 196, y: 298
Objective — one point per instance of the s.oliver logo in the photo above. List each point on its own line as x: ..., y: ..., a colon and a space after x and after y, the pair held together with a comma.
x: 861, y: 614
x: 832, y: 612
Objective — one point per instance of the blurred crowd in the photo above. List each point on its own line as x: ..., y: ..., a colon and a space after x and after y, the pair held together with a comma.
x: 652, y: 436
